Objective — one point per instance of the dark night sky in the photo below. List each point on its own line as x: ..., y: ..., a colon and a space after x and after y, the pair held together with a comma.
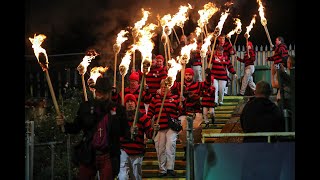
x: 81, y: 24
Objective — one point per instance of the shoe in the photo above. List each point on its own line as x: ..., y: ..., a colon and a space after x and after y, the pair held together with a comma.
x: 162, y: 174
x: 220, y: 103
x: 212, y: 120
x: 226, y: 94
x: 207, y: 125
x: 240, y: 94
x: 170, y: 172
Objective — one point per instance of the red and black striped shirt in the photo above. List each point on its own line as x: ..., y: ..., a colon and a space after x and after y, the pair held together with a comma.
x: 170, y: 106
x: 137, y: 146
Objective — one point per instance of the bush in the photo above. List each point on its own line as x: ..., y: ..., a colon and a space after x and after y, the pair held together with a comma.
x: 47, y: 131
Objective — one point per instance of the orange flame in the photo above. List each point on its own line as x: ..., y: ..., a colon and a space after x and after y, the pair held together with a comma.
x: 172, y: 72
x: 206, y: 13
x: 97, y: 72
x: 82, y: 67
x: 120, y: 40
x: 178, y: 19
x: 206, y: 44
x: 185, y: 52
x: 237, y: 29
x: 197, y: 31
x: 142, y: 22
x: 253, y: 21
x: 223, y: 18
x: 37, y: 49
x: 261, y: 13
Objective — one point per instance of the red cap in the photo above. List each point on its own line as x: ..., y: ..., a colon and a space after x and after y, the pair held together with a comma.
x: 160, y: 57
x: 190, y: 71
x: 134, y: 76
x: 130, y: 97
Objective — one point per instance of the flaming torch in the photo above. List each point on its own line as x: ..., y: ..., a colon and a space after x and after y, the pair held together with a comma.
x: 204, y: 50
x: 145, y: 46
x: 264, y: 21
x: 217, y: 32
x: 123, y: 68
x: 172, y: 73
x: 183, y: 60
x: 246, y: 35
x: 36, y: 45
x: 237, y: 30
x: 206, y: 13
x: 82, y: 68
x: 95, y: 73
x: 116, y: 50
x: 137, y: 26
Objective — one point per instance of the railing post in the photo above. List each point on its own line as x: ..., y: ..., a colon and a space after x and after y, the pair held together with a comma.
x: 190, y: 151
x: 52, y: 160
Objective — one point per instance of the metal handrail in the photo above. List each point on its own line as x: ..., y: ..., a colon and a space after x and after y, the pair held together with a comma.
x: 268, y: 134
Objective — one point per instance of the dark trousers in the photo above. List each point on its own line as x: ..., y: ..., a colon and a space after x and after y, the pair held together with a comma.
x: 101, y: 164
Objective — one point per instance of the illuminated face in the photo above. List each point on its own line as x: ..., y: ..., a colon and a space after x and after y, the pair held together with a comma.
x: 154, y: 62
x: 134, y: 83
x: 159, y: 62
x: 130, y: 105
x: 189, y: 77
x: 222, y: 40
x: 278, y: 41
x: 162, y: 88
x: 219, y: 53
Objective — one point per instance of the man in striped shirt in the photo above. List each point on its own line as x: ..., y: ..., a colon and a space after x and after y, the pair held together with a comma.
x: 155, y: 75
x: 132, y: 150
x: 248, y: 61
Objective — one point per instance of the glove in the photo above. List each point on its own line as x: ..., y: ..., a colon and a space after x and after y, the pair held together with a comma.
x: 156, y: 127
x: 60, y: 120
x: 207, y: 71
x: 114, y: 91
x: 235, y: 76
x: 90, y: 82
x: 146, y: 89
x: 134, y: 130
x: 208, y: 74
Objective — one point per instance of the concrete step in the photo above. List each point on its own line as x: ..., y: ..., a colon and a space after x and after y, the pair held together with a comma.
x: 208, y: 131
x: 155, y: 163
x: 224, y: 108
x: 147, y: 173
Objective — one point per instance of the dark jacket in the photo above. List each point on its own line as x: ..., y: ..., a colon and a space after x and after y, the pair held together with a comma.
x: 261, y: 115
x: 86, y: 121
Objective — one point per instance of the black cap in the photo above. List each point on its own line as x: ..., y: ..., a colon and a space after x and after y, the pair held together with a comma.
x: 103, y: 84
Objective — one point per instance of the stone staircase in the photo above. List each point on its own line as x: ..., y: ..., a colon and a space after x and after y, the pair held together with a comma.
x: 222, y: 115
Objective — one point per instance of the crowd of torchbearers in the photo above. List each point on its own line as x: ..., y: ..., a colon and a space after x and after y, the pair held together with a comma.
x: 186, y: 82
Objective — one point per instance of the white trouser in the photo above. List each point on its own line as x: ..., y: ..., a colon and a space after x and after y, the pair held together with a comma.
x: 247, y: 79
x: 130, y: 166
x: 205, y: 113
x: 226, y: 88
x: 220, y: 85
x: 197, y: 73
x: 165, y: 144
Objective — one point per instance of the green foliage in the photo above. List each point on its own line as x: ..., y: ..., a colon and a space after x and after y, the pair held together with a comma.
x: 47, y: 131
